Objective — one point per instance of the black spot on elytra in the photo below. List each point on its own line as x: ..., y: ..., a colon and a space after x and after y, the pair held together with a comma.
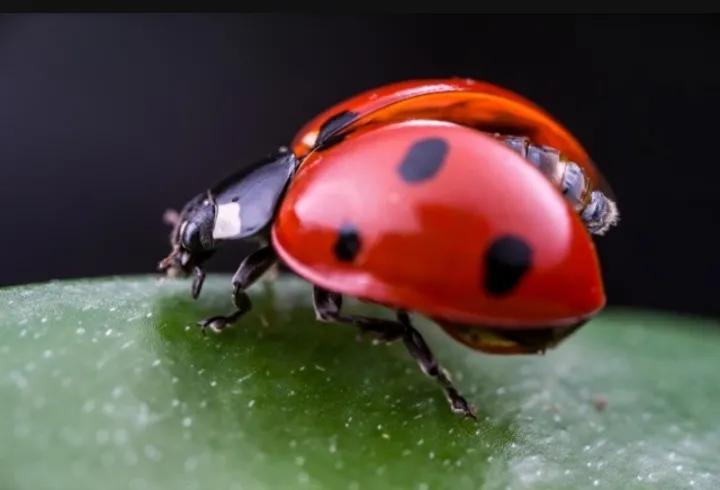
x: 347, y: 244
x: 333, y: 125
x: 235, y: 199
x: 506, y: 261
x: 424, y: 159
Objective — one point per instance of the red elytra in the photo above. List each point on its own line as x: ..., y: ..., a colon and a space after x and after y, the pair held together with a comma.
x: 468, y: 102
x: 443, y: 220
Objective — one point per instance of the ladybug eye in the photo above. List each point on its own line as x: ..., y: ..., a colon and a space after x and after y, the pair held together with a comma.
x: 191, y: 237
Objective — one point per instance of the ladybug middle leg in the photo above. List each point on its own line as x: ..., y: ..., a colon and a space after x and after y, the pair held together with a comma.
x: 250, y: 270
x: 327, y: 308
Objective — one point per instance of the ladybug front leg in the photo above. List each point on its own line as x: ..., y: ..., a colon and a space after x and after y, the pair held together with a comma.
x: 198, y: 280
x: 250, y: 270
x: 327, y: 308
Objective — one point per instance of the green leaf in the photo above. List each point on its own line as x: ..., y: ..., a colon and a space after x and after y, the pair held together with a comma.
x: 110, y: 384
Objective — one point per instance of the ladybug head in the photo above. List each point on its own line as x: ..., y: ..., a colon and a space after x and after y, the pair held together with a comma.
x: 191, y: 238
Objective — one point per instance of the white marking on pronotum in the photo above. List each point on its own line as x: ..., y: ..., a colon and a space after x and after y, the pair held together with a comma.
x: 227, y: 221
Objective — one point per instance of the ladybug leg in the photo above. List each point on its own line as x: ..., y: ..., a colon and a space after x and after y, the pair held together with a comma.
x: 250, y: 270
x: 420, y: 351
x: 198, y: 280
x: 327, y: 308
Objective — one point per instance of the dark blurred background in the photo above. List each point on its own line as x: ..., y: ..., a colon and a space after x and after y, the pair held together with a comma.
x: 106, y: 120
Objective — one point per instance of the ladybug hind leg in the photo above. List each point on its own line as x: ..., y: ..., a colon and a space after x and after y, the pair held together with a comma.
x: 250, y: 270
x: 328, y: 307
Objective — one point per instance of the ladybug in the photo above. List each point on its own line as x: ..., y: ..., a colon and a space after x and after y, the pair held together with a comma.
x: 429, y: 216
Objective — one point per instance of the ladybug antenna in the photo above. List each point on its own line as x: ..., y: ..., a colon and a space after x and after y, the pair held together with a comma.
x: 171, y: 217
